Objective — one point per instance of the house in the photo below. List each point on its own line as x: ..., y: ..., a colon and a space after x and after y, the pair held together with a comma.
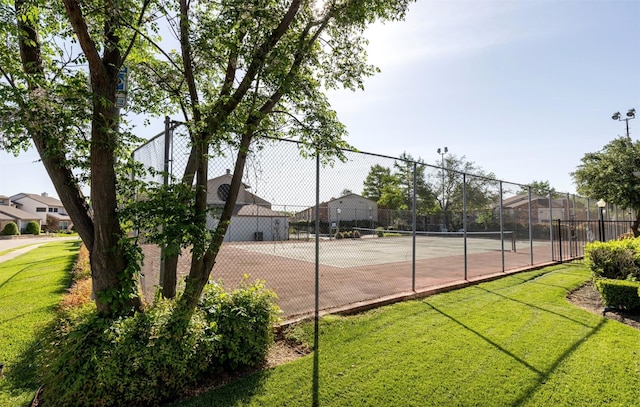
x: 218, y: 190
x: 48, y: 210
x: 9, y: 213
x: 517, y: 208
x: 347, y: 208
x: 252, y: 218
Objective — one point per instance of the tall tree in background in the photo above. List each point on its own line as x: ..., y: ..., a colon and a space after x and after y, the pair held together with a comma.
x: 243, y: 69
x: 405, y: 168
x: 394, y: 189
x: 481, y: 190
x: 378, y: 178
x: 609, y: 174
x: 540, y: 188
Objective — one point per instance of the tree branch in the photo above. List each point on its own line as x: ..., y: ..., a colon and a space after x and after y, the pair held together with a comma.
x: 82, y: 32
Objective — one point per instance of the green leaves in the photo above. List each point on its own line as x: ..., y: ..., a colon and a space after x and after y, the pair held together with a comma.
x: 608, y: 173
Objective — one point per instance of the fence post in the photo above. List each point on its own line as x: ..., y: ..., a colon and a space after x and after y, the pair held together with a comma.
x: 530, y: 228
x: 464, y: 221
x: 502, y: 226
x: 165, y: 182
x: 560, y: 239
x: 413, y: 227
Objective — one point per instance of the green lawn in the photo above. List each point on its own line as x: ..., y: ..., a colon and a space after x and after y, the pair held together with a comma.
x: 31, y: 286
x: 511, y: 342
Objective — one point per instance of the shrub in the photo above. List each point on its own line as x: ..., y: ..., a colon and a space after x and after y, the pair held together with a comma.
x: 138, y: 360
x: 33, y: 228
x: 10, y: 229
x: 614, y: 259
x: 79, y: 295
x: 152, y: 356
x: 620, y: 294
x: 245, y: 318
x: 380, y: 231
x: 338, y: 235
x: 82, y: 267
x: 356, y: 234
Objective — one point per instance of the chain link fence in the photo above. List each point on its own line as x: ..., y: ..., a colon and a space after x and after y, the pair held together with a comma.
x: 386, y: 226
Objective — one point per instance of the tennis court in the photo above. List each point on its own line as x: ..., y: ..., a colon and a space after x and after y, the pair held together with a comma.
x: 372, y: 250
x: 357, y: 270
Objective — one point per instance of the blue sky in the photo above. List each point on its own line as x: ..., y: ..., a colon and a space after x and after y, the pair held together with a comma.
x: 521, y: 88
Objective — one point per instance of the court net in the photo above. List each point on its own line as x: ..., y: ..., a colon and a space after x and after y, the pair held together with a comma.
x: 507, y: 236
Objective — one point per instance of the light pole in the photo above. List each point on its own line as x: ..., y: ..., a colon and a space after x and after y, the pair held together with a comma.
x: 601, y: 205
x: 442, y: 152
x: 631, y: 114
x: 338, y: 212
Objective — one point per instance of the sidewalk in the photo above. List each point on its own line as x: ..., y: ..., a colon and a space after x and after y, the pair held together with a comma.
x: 31, y: 242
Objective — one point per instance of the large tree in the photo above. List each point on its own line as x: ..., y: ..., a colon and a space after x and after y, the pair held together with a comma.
x: 243, y: 69
x: 378, y: 178
x: 405, y: 170
x: 478, y: 186
x: 540, y: 188
x: 609, y: 174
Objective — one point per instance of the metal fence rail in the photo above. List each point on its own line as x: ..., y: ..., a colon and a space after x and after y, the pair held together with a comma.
x: 571, y: 236
x: 296, y: 220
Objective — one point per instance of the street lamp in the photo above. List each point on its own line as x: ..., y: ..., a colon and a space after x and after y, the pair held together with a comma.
x: 338, y: 212
x: 601, y: 205
x: 631, y: 114
x: 442, y: 152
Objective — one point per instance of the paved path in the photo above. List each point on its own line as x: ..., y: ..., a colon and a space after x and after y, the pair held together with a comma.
x: 28, y: 243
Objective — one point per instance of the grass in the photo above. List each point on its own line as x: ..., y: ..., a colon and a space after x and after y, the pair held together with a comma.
x: 511, y: 342
x: 31, y: 286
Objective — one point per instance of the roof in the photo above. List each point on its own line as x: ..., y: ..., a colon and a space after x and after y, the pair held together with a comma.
x: 47, y: 200
x: 16, y: 213
x: 4, y: 216
x: 349, y: 196
x: 523, y: 199
x: 58, y: 216
x: 258, y: 211
x: 225, y: 177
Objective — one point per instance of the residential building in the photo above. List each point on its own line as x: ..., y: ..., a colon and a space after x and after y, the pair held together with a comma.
x: 48, y: 210
x: 350, y: 208
x: 252, y: 218
x: 517, y: 208
x: 9, y: 213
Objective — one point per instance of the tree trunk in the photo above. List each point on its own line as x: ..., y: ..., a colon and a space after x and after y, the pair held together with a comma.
x: 112, y: 277
x: 170, y: 278
x: 50, y: 152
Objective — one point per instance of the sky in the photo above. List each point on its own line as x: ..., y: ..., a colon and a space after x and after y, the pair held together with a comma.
x: 521, y: 88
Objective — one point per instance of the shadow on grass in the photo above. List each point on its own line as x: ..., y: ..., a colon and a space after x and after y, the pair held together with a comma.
x: 237, y: 392
x: 542, y: 375
x: 489, y: 341
x: 565, y: 355
x: 536, y: 307
x: 22, y: 375
x: 16, y: 274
